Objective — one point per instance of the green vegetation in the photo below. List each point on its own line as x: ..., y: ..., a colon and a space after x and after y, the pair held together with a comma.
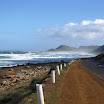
x: 53, y: 96
x: 30, y: 99
x: 53, y: 93
x: 100, y: 58
x: 26, y: 93
x: 22, y: 94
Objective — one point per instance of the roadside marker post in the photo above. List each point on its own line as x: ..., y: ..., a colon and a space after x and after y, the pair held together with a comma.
x: 58, y: 71
x: 40, y: 93
x: 53, y: 76
x: 64, y: 64
x: 72, y: 61
x: 60, y: 66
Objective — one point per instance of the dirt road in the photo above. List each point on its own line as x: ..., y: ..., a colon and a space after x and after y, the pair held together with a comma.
x: 80, y: 87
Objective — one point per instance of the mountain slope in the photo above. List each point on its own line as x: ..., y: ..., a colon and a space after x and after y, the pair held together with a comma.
x: 100, y: 58
x: 80, y: 49
x: 99, y: 50
x: 63, y: 48
x: 88, y: 48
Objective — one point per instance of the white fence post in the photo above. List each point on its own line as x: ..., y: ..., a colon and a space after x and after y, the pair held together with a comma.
x: 60, y: 66
x: 58, y: 71
x: 40, y: 93
x: 72, y: 61
x: 64, y: 64
x: 53, y: 76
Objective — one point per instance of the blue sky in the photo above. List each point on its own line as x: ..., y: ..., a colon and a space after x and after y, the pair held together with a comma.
x: 39, y: 25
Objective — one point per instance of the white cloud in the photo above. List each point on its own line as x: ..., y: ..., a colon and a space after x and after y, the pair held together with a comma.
x: 86, y: 30
x: 71, y: 24
x: 86, y: 22
x: 99, y: 21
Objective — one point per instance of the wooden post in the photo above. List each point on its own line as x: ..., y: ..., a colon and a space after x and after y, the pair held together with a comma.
x: 58, y: 71
x: 53, y: 76
x: 40, y: 94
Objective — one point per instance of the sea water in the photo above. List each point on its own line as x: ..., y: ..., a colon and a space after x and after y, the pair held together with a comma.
x: 14, y: 58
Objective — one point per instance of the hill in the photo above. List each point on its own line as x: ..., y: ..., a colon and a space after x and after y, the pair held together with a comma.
x: 63, y: 48
x: 99, y: 50
x: 100, y: 58
x: 88, y: 48
x: 73, y: 49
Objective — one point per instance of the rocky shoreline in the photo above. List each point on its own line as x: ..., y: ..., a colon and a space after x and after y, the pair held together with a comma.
x: 12, y: 76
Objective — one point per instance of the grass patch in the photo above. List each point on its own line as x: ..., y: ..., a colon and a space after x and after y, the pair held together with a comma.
x: 22, y: 94
x: 30, y: 99
x: 26, y: 93
x: 54, y: 94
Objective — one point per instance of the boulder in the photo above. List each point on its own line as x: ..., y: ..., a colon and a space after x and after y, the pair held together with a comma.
x: 12, y: 69
x: 28, y: 66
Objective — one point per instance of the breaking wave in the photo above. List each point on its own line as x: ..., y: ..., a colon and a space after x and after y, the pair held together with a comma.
x: 13, y: 58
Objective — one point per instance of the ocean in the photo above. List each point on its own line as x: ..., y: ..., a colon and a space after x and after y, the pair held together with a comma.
x: 14, y: 58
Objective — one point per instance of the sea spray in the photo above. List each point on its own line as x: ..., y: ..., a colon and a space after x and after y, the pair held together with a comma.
x: 10, y: 58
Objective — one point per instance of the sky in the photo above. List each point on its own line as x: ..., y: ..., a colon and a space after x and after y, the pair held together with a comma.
x: 38, y: 25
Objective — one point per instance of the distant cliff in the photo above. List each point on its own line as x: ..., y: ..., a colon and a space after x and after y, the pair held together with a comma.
x: 80, y: 49
x: 88, y: 48
x: 99, y: 50
x: 63, y: 48
x: 100, y: 58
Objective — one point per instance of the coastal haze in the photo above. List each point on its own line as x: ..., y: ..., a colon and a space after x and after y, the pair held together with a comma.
x: 65, y: 53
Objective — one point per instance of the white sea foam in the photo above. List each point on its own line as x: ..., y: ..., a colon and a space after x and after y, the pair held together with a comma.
x: 30, y: 56
x: 14, y: 59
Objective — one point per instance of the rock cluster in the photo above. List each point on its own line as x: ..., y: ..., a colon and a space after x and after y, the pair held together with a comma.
x: 12, y: 77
